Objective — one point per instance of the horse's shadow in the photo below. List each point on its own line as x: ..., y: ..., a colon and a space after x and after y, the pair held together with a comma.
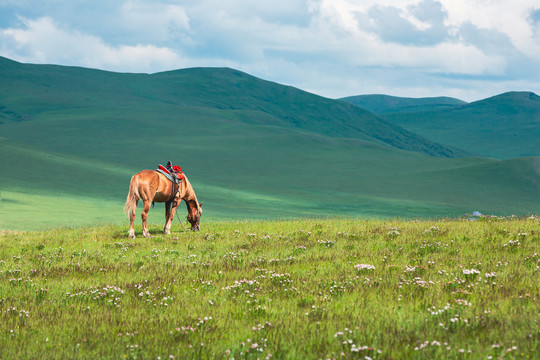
x: 154, y: 234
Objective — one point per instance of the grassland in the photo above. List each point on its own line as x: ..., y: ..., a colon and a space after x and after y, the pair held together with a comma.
x: 282, y: 175
x: 307, y: 289
x: 71, y: 138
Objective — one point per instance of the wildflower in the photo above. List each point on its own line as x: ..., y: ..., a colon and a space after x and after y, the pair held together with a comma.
x: 470, y: 272
x: 393, y: 232
x: 364, y: 267
x: 409, y: 268
x: 514, y: 243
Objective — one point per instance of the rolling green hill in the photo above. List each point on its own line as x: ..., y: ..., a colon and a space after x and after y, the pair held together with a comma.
x: 504, y: 126
x: 383, y: 104
x: 256, y: 101
x: 71, y: 138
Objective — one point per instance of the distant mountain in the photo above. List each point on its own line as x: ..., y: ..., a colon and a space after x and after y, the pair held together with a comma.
x: 382, y: 104
x: 71, y: 138
x: 504, y: 126
x: 54, y: 87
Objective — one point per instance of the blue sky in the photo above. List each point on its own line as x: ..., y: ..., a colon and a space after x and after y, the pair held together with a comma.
x: 469, y: 49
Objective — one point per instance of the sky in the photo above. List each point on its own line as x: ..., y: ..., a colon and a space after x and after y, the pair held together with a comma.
x: 468, y: 49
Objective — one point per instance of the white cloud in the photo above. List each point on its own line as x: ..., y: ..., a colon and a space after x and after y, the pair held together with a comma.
x: 508, y: 17
x: 153, y: 21
x: 351, y: 44
x: 331, y: 47
x: 43, y: 41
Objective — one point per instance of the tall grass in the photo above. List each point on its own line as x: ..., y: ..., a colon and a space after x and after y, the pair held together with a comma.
x: 275, y: 290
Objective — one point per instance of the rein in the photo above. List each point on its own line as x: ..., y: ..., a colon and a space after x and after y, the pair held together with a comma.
x: 180, y: 221
x: 175, y: 193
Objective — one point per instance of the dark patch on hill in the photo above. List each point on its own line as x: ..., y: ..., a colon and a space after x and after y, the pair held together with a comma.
x: 383, y: 104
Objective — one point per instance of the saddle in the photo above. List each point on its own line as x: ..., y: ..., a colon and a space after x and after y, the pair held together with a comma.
x: 172, y: 172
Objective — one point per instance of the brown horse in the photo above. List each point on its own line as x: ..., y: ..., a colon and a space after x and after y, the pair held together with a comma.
x: 152, y: 186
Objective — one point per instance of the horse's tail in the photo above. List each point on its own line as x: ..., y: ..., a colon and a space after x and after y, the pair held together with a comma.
x: 133, y: 195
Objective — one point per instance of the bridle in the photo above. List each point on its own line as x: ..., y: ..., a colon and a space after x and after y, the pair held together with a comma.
x: 189, y: 218
x: 176, y: 196
x: 195, y: 218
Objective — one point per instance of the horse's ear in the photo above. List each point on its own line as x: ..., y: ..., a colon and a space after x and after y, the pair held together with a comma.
x: 200, y: 205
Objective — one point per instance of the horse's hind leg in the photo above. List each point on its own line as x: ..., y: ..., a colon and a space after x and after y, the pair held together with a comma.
x: 132, y: 220
x: 144, y: 216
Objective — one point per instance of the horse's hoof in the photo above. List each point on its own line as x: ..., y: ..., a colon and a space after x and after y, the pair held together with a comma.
x: 132, y: 234
x: 146, y: 235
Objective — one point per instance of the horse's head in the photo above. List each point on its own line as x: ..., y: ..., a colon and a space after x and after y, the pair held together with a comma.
x: 194, y: 217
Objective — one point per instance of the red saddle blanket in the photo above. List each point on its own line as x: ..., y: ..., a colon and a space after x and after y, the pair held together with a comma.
x: 177, y: 169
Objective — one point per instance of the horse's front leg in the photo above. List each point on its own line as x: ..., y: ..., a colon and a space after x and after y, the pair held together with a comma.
x: 144, y: 217
x: 168, y: 220
x: 170, y: 217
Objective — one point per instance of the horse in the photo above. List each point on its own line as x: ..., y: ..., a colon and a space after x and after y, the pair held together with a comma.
x: 151, y: 186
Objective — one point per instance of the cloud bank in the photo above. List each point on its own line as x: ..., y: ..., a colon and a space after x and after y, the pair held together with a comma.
x: 467, y: 49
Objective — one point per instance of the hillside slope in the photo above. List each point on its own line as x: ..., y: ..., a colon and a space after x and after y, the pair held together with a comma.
x: 382, y: 104
x: 71, y: 138
x: 61, y: 88
x: 504, y: 126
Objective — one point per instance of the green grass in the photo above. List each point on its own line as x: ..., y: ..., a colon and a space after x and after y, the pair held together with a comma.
x: 282, y: 290
x: 289, y: 176
x: 364, y: 181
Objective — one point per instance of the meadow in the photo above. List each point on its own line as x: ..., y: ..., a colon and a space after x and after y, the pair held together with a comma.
x: 303, y: 289
x: 71, y: 138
